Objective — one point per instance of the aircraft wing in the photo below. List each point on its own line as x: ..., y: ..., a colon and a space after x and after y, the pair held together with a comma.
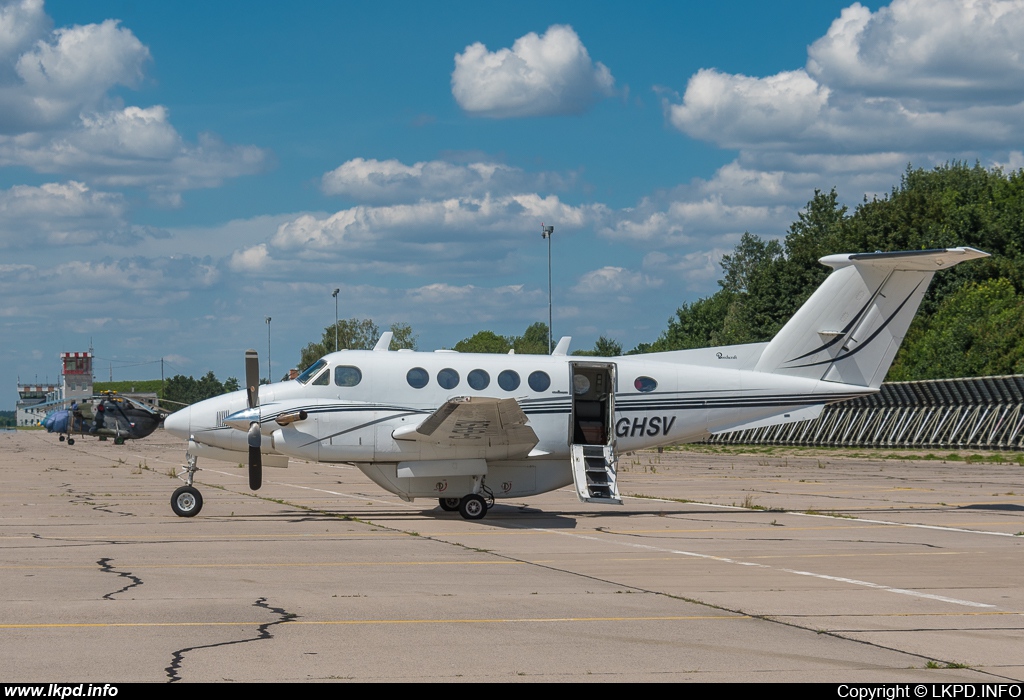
x: 475, y: 422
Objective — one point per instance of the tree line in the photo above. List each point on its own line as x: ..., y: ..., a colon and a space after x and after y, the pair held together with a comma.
x: 971, y: 322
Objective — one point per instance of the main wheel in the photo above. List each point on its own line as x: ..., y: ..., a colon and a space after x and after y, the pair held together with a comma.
x: 449, y: 504
x: 472, y: 507
x: 62, y: 438
x: 186, y: 501
x: 71, y: 441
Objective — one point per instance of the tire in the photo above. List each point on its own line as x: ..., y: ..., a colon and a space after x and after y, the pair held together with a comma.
x: 449, y: 504
x: 71, y: 441
x: 186, y: 501
x: 62, y: 438
x: 472, y: 507
x: 119, y: 441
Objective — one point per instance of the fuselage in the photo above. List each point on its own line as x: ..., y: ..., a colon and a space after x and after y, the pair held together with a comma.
x: 353, y: 402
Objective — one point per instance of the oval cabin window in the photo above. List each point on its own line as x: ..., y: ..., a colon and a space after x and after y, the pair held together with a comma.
x: 540, y: 381
x: 417, y: 377
x: 448, y: 378
x: 508, y: 380
x: 645, y: 384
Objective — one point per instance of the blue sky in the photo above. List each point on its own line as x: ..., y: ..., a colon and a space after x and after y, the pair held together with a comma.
x: 170, y: 174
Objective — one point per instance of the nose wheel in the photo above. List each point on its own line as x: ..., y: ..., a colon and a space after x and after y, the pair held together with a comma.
x: 186, y: 501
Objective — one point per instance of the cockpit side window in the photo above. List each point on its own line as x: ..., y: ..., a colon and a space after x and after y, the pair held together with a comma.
x: 347, y: 376
x: 323, y: 380
x: 311, y: 371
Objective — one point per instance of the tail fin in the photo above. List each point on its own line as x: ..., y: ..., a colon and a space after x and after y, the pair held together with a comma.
x: 853, y: 324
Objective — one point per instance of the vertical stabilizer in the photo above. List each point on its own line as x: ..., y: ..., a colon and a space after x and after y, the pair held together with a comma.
x: 853, y: 324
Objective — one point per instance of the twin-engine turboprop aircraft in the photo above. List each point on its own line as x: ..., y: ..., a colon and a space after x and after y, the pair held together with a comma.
x: 467, y: 429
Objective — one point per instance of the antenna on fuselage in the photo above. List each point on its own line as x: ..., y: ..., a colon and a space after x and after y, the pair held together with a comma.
x: 384, y: 342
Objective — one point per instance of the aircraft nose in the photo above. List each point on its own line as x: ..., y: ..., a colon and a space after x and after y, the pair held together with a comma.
x: 179, y: 423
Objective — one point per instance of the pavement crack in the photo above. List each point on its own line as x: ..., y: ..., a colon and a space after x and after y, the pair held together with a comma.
x: 262, y: 632
x: 105, y: 567
x: 86, y: 499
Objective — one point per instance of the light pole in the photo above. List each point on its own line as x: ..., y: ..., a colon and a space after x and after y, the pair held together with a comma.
x: 270, y: 372
x: 335, y: 295
x: 545, y: 232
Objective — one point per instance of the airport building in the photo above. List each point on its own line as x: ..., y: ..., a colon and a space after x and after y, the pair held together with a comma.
x: 36, y: 400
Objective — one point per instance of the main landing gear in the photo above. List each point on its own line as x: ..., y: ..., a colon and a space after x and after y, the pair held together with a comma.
x: 472, y: 506
x: 186, y: 501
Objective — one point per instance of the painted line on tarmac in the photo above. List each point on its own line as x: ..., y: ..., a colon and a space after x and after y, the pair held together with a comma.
x: 826, y: 577
x: 451, y: 621
x: 851, y: 519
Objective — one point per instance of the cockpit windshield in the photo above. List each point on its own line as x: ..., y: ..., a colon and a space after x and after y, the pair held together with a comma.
x: 311, y: 371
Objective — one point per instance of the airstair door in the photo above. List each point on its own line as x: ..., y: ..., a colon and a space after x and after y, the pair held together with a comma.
x: 592, y: 437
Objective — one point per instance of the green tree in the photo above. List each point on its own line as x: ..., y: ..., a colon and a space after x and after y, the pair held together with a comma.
x: 604, y: 347
x: 484, y: 341
x: 534, y: 341
x: 355, y: 334
x: 977, y: 331
x: 183, y: 390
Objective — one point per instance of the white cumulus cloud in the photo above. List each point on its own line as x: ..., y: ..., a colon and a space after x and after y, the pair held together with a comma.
x: 58, y: 114
x: 914, y: 77
x: 539, y: 75
x: 61, y: 214
x: 371, y: 180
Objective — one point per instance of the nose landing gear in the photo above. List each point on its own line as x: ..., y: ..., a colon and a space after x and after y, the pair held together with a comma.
x: 186, y: 501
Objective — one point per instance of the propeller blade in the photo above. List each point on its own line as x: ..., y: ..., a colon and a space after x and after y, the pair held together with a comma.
x: 252, y: 396
x: 252, y: 378
x: 255, y: 458
x: 255, y: 469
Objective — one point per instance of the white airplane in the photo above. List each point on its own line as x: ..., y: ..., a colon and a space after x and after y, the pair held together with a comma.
x: 467, y: 429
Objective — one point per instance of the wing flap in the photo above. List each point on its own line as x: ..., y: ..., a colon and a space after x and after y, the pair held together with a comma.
x: 477, y: 421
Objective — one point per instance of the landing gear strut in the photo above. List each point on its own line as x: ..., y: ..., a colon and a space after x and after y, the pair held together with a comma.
x: 186, y: 501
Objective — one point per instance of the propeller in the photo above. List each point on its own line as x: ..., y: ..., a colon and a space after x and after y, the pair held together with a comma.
x: 252, y: 395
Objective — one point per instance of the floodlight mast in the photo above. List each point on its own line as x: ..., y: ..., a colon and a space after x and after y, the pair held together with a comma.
x: 270, y: 372
x: 335, y: 295
x: 546, y: 232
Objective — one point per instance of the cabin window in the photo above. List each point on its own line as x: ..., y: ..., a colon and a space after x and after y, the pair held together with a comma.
x: 347, y: 376
x: 448, y: 378
x: 508, y: 380
x: 417, y: 377
x: 539, y: 381
x: 310, y: 371
x: 580, y: 384
x: 645, y: 384
x: 478, y: 379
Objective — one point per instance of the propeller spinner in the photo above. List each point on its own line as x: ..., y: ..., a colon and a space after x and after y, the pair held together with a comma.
x: 252, y: 395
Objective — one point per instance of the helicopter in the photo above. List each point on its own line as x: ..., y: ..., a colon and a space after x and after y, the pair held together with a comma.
x: 105, y: 415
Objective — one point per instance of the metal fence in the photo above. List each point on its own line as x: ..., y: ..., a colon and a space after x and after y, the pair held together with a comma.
x: 982, y: 413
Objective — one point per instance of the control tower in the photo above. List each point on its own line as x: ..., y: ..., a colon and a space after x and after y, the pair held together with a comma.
x: 76, y: 375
